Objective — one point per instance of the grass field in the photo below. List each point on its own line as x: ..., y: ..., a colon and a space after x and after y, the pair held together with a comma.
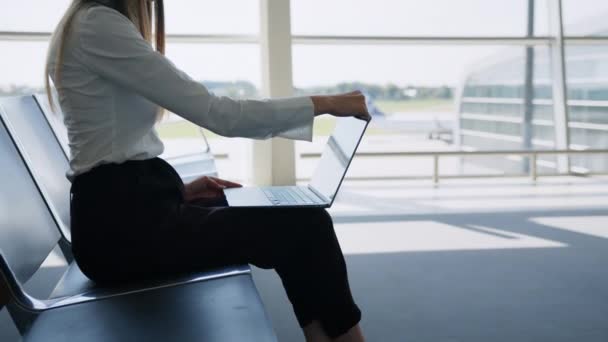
x: 323, y: 125
x: 179, y: 129
x: 184, y: 129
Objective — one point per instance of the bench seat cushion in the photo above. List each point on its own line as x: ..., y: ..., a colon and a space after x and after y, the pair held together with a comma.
x: 75, y: 283
x: 225, y: 309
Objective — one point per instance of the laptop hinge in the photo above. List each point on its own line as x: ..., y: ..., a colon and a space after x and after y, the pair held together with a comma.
x: 320, y: 195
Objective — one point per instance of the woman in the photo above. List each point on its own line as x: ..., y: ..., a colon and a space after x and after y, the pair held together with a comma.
x: 133, y: 218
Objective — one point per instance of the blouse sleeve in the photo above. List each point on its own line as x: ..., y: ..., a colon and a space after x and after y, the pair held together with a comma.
x: 111, y: 46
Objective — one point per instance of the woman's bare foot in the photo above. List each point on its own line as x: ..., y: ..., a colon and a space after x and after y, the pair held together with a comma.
x: 353, y: 335
x: 314, y: 333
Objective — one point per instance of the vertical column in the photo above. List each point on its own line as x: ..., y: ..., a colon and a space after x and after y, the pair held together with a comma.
x: 528, y: 89
x: 560, y: 90
x: 274, y: 160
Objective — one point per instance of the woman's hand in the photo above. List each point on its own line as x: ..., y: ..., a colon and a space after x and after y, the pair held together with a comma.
x: 207, y: 187
x: 349, y: 104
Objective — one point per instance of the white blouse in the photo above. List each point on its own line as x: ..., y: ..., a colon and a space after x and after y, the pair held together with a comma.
x: 112, y: 82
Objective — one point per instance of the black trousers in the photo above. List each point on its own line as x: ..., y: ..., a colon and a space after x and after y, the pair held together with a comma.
x: 130, y: 222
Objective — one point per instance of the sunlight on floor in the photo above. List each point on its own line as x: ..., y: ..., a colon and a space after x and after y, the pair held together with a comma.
x: 591, y: 225
x: 420, y: 236
x: 364, y: 198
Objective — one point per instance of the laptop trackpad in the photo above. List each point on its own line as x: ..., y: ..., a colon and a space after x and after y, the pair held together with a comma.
x: 246, y: 197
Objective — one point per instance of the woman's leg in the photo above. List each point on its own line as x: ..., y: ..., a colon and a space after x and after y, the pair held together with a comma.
x: 299, y: 243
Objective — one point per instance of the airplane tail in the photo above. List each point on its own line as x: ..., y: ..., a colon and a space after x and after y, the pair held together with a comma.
x: 373, y: 110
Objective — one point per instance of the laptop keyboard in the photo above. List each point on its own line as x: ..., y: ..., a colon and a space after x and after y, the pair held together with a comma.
x: 289, y: 196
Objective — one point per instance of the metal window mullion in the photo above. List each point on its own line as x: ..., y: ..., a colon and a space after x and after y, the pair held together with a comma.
x: 560, y: 90
x: 173, y: 38
x: 344, y: 40
x: 528, y: 105
x: 208, y: 38
x: 418, y: 40
x: 569, y: 40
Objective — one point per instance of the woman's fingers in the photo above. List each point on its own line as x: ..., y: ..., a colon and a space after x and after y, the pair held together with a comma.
x: 353, y: 105
x: 212, y: 184
x: 225, y: 183
x: 203, y: 187
x: 364, y: 117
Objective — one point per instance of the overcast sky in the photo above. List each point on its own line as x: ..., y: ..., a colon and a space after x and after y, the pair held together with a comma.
x: 313, y: 65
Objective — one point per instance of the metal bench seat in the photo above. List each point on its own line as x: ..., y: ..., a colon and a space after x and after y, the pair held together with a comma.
x: 219, y: 310
x: 74, y: 284
x: 216, y: 305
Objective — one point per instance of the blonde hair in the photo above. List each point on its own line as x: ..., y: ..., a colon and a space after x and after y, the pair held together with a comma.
x: 140, y: 12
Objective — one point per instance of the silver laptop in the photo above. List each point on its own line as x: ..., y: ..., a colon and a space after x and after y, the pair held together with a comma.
x: 326, y: 180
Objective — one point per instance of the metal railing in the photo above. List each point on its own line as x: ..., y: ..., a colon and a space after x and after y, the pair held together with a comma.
x: 436, y: 155
x: 343, y: 40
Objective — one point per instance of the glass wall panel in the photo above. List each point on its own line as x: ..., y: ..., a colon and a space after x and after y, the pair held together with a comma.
x: 212, y: 17
x: 416, y: 18
x: 182, y: 16
x: 225, y: 69
x: 587, y: 81
x: 31, y: 15
x: 22, y: 67
x: 585, y: 17
x: 434, y: 98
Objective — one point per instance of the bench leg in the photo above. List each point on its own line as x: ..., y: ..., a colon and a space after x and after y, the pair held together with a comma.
x: 66, y: 249
x: 23, y: 319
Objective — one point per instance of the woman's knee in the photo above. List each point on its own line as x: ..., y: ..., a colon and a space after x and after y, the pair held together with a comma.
x: 313, y: 223
x: 319, y: 216
x: 324, y: 216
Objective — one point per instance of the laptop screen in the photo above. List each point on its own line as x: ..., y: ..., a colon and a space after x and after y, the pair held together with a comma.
x: 336, y: 157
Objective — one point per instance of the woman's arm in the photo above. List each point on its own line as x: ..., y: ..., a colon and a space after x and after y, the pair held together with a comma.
x: 110, y: 46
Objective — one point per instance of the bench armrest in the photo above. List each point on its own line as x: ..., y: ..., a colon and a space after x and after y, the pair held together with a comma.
x: 10, y: 288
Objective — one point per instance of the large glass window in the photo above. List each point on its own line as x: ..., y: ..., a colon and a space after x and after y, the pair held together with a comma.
x: 182, y: 16
x: 587, y: 81
x: 434, y: 98
x: 22, y: 67
x: 227, y: 66
x: 585, y: 17
x: 416, y: 18
x: 426, y: 94
x: 497, y: 97
x: 213, y: 17
x: 31, y: 15
x: 225, y: 69
x: 23, y: 59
